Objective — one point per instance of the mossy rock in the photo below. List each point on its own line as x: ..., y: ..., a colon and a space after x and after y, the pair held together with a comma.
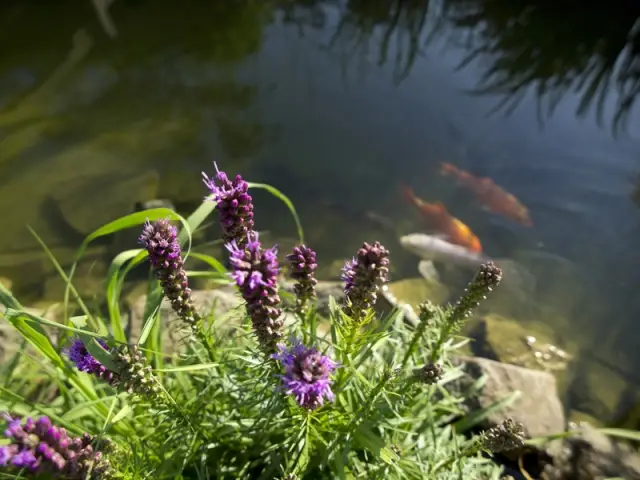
x: 505, y: 339
x: 330, y: 270
x: 88, y: 280
x: 578, y: 417
x: 598, y: 389
x: 117, y: 196
x: 414, y: 291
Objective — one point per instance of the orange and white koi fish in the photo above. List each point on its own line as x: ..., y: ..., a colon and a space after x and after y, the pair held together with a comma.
x: 492, y: 197
x: 443, y: 222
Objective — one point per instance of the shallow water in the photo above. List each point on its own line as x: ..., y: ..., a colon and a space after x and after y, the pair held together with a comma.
x: 335, y: 103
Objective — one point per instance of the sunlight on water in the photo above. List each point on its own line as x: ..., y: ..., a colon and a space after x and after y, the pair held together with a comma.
x: 338, y: 104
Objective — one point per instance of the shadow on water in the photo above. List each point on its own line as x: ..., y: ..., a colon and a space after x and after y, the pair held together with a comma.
x: 554, y: 50
x: 550, y: 49
x: 125, y: 101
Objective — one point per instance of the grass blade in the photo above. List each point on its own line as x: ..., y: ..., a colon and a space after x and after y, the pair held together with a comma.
x: 281, y: 196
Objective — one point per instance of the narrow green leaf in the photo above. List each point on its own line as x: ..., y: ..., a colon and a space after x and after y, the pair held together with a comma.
x: 115, y: 281
x: 7, y: 299
x: 69, y: 286
x: 123, y: 223
x: 622, y: 433
x: 187, y: 368
x: 35, y: 335
x: 196, y: 218
x: 281, y: 196
x: 123, y: 413
x: 151, y: 311
x: 477, y: 417
x: 211, y: 261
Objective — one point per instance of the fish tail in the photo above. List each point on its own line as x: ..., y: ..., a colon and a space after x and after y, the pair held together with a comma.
x: 407, y: 193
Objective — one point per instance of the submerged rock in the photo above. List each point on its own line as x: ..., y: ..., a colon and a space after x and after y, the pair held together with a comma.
x: 115, y: 196
x: 89, y: 280
x: 506, y: 340
x: 221, y: 305
x: 590, y: 455
x: 538, y: 406
x: 414, y: 291
x: 595, y: 388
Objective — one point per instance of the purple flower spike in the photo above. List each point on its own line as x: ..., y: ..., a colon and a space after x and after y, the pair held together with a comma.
x: 234, y: 205
x: 132, y: 374
x: 255, y: 272
x: 160, y: 238
x: 307, y: 374
x: 43, y: 448
x: 363, y: 277
x: 302, y: 262
x: 85, y: 362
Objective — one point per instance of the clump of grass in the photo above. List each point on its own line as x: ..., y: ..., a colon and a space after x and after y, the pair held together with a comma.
x: 369, y: 400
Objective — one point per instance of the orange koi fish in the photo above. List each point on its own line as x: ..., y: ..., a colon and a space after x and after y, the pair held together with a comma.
x: 492, y: 197
x: 441, y: 220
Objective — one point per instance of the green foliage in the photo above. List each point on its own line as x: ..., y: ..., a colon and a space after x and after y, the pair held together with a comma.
x: 218, y: 410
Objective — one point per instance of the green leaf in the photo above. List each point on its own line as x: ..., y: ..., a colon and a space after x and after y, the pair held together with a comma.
x: 196, y: 218
x: 7, y: 299
x: 123, y: 223
x: 115, y: 282
x: 211, y: 261
x: 69, y: 287
x: 622, y: 433
x: 477, y: 417
x: 34, y: 334
x: 281, y: 196
x: 123, y: 413
x: 151, y: 311
x: 187, y: 368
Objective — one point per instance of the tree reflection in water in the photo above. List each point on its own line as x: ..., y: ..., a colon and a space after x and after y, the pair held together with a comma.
x: 550, y: 48
x: 588, y: 49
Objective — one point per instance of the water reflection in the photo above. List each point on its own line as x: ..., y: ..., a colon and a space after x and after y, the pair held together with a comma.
x: 391, y: 31
x: 524, y: 46
x: 102, y: 125
x: 553, y: 51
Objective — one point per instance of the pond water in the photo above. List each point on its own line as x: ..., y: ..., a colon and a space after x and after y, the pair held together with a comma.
x: 338, y: 103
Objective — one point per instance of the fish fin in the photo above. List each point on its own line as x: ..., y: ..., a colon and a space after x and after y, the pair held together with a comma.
x: 428, y: 270
x: 407, y: 193
x: 441, y: 206
x: 442, y: 236
x: 447, y: 169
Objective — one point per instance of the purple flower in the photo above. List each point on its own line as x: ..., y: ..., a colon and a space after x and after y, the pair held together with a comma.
x: 43, y: 448
x: 160, y: 238
x: 255, y: 272
x: 302, y: 262
x: 488, y: 277
x: 307, y: 374
x: 85, y: 362
x: 234, y: 204
x: 363, y: 277
x: 132, y: 375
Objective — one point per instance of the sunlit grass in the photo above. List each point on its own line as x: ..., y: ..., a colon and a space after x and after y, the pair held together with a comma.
x: 219, y: 413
